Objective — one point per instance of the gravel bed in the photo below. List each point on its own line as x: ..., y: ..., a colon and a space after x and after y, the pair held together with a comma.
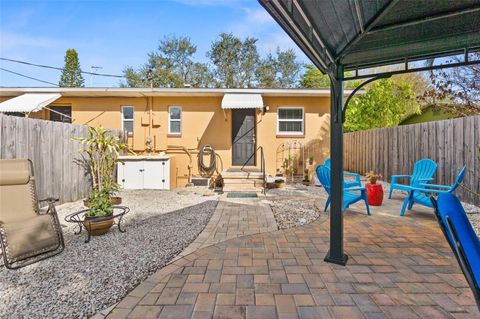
x: 87, y: 278
x: 294, y: 205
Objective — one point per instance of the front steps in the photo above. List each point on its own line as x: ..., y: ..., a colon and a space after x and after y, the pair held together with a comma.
x: 242, y: 181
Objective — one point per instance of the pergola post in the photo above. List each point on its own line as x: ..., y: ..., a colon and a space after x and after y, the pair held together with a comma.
x: 336, y: 254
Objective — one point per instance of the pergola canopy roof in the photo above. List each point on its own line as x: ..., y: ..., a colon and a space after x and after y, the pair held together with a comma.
x: 368, y: 33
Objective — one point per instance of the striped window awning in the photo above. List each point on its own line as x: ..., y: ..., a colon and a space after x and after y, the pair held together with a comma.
x: 242, y: 101
x: 28, y: 102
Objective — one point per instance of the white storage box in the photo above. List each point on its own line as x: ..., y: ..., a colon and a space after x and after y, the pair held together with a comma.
x: 144, y: 172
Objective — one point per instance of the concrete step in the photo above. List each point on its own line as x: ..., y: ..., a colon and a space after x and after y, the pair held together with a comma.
x: 243, y: 185
x: 242, y: 175
x: 242, y: 180
x: 235, y: 189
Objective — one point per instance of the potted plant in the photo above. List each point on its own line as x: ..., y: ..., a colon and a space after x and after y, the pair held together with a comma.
x: 306, y: 179
x: 374, y: 190
x: 102, y: 153
x: 100, y: 208
x: 310, y: 160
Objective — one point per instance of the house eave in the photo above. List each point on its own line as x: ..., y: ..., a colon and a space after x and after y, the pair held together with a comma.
x: 143, y: 92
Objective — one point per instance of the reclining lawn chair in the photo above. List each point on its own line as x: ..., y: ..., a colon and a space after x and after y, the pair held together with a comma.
x: 349, y: 195
x: 26, y: 235
x: 462, y: 238
x: 347, y: 183
x: 423, y: 172
x: 421, y: 193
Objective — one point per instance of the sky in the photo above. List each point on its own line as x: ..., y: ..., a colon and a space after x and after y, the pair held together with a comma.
x: 113, y: 34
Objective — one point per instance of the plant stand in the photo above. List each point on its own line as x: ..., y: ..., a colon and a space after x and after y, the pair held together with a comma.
x: 374, y: 194
x: 79, y: 219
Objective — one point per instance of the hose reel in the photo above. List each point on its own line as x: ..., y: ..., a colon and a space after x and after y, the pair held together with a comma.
x: 203, y: 169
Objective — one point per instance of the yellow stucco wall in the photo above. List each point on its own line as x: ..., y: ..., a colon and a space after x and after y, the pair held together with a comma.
x: 204, y: 122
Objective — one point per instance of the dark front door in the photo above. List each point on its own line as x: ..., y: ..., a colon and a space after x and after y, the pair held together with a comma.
x: 243, y: 137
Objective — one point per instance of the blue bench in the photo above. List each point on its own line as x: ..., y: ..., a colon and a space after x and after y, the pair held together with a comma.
x: 462, y: 238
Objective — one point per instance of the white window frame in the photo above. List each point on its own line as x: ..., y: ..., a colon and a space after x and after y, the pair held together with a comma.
x: 174, y: 120
x: 302, y: 132
x: 128, y: 120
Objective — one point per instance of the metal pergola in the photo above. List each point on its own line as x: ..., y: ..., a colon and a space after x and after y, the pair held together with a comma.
x: 356, y: 35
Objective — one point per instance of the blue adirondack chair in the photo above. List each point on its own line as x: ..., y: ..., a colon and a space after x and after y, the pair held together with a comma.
x: 350, y: 195
x: 419, y: 194
x: 351, y: 183
x: 463, y: 241
x: 423, y: 172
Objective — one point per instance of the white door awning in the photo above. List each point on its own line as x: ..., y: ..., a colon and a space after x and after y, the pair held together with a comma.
x: 28, y: 102
x: 242, y: 101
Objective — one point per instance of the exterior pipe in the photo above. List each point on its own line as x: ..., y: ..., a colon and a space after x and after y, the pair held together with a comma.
x: 179, y: 147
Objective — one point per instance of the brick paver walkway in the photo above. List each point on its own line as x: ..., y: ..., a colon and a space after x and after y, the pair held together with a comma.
x: 234, y: 217
x: 399, y: 267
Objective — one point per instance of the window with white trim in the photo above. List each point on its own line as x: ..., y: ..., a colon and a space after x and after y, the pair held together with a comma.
x: 290, y: 121
x: 175, y: 120
x: 127, y: 119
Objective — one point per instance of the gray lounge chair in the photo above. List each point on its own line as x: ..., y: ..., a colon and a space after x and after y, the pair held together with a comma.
x: 26, y: 234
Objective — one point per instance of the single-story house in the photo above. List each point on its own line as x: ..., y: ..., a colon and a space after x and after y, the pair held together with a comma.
x: 291, y: 125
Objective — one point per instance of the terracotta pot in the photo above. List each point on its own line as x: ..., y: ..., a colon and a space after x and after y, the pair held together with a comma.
x: 306, y: 183
x: 279, y: 184
x: 374, y: 194
x: 116, y: 200
x: 98, y: 225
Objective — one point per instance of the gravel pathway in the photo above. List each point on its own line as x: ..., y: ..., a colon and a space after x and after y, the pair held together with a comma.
x: 87, y: 278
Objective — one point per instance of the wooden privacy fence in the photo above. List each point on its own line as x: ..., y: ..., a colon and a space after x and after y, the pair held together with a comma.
x: 58, y: 164
x: 393, y: 151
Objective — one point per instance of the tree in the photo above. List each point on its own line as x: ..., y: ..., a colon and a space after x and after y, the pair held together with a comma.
x: 234, y: 61
x: 458, y: 87
x: 288, y: 68
x: 313, y: 78
x: 266, y: 72
x: 278, y: 71
x: 385, y: 104
x: 71, y: 73
x: 171, y: 65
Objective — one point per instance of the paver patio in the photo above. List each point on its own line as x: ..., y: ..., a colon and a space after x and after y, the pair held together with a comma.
x: 399, y: 267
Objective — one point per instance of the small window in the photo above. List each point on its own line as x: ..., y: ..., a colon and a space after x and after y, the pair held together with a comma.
x: 290, y: 121
x: 127, y: 119
x: 61, y: 114
x: 175, y: 120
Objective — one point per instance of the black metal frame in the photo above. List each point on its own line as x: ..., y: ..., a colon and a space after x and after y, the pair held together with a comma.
x: 466, y: 62
x: 79, y: 219
x: 332, y: 65
x: 458, y: 252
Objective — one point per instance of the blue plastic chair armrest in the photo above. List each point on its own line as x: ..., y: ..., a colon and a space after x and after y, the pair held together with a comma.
x: 355, y: 188
x: 425, y: 190
x: 351, y: 174
x: 426, y: 179
x: 435, y: 185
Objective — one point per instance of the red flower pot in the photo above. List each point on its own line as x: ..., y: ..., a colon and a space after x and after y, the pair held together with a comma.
x: 374, y: 194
